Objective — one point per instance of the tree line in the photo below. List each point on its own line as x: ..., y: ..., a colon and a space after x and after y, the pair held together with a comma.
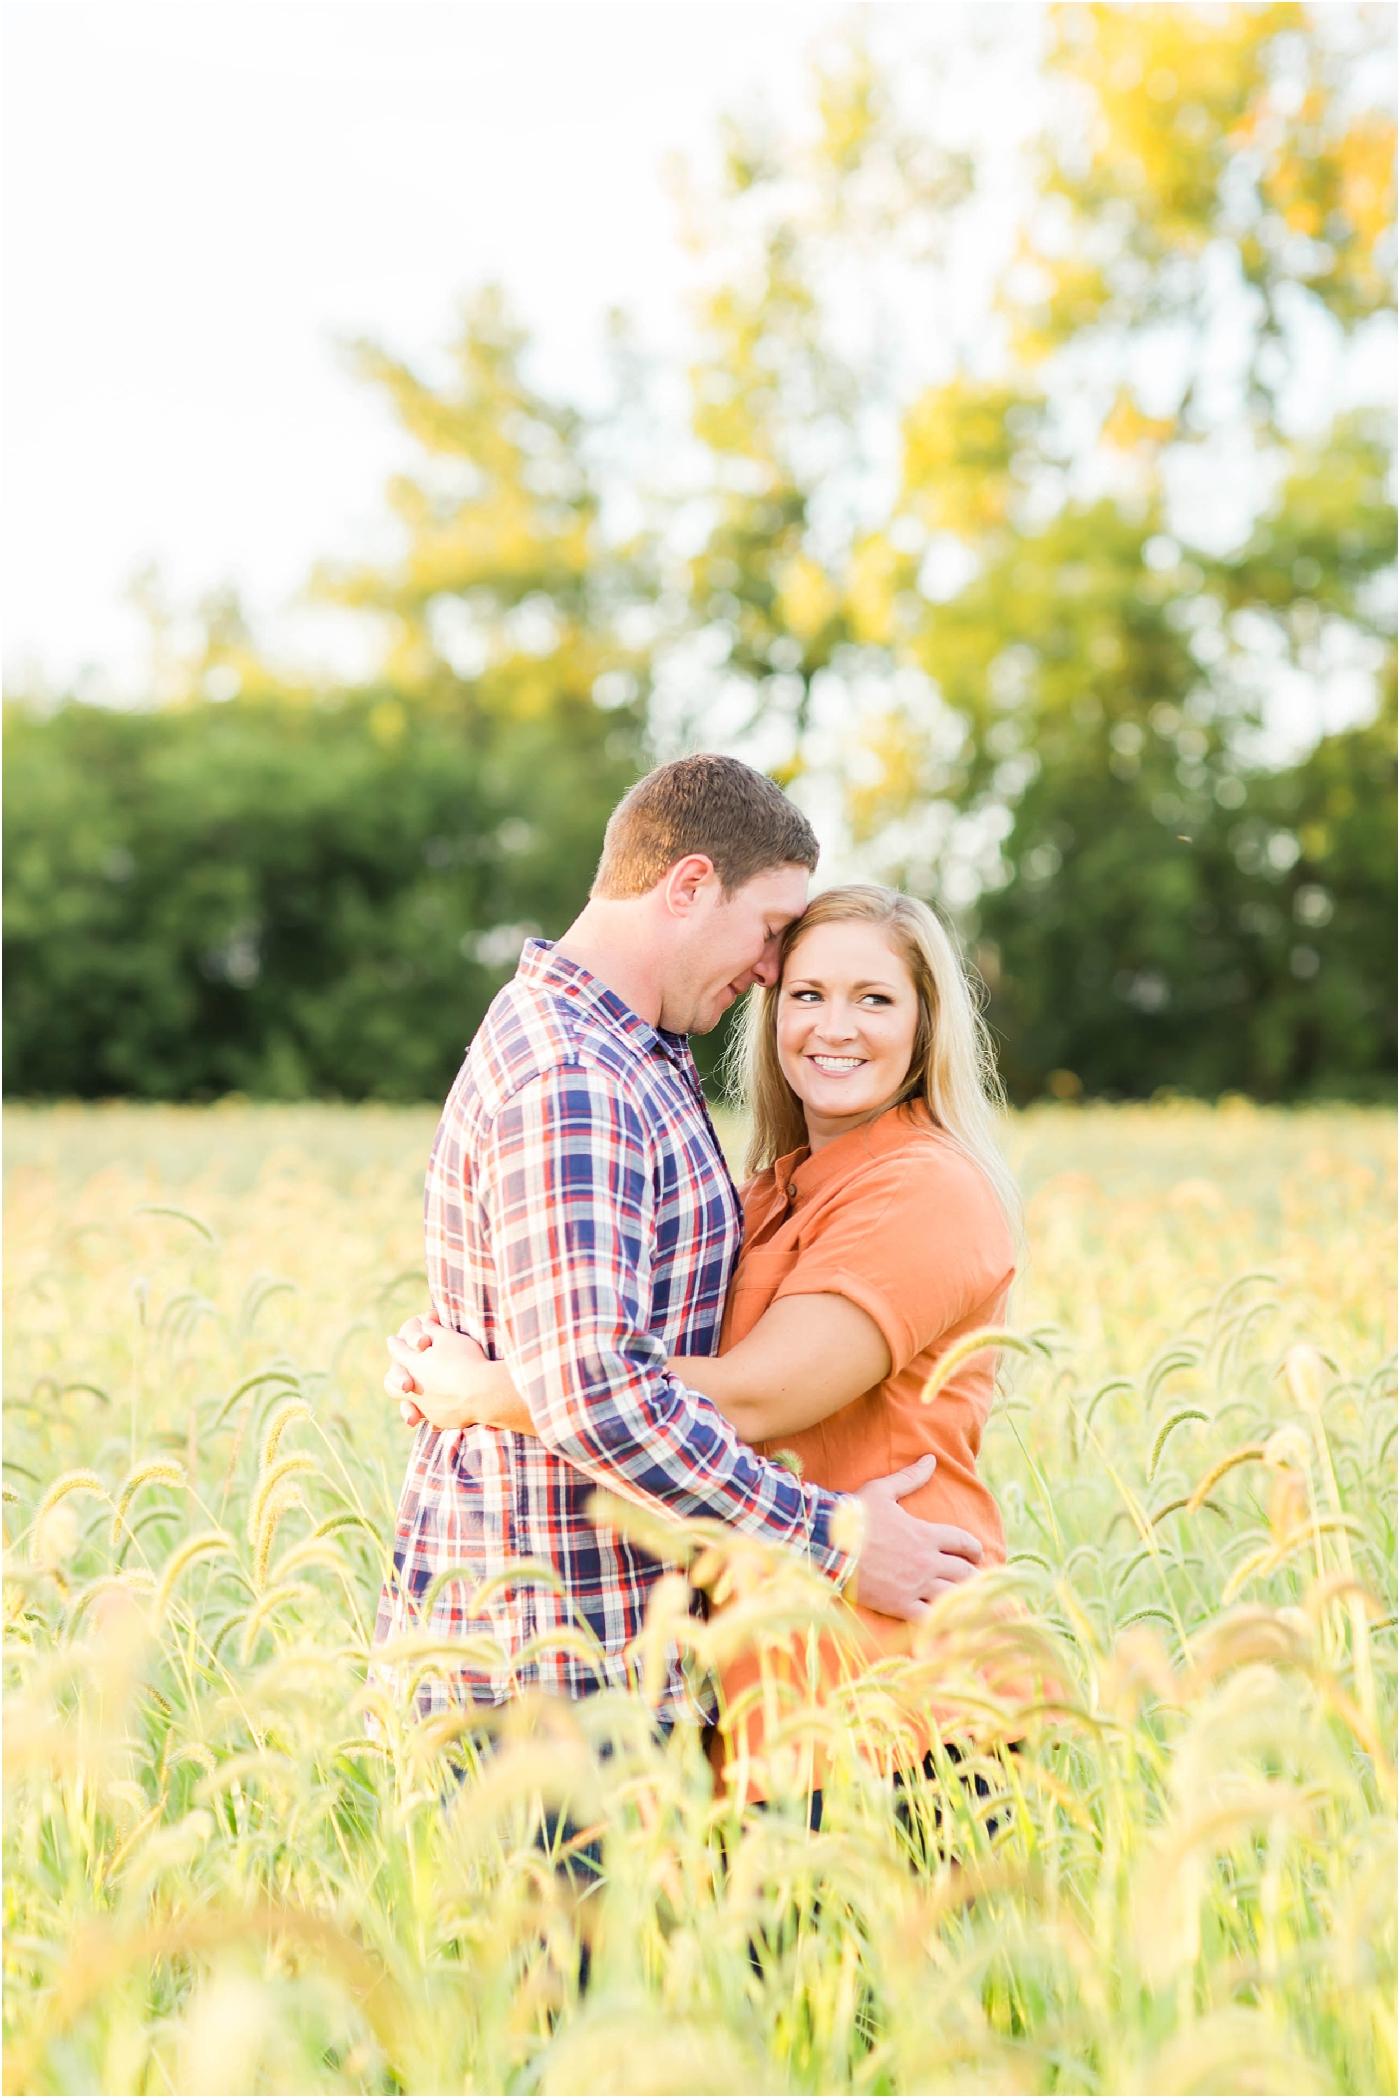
x: 1020, y: 665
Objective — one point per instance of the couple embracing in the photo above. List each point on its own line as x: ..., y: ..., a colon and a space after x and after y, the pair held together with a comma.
x: 608, y: 1311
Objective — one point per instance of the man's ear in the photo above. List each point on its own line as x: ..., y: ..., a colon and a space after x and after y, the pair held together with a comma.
x: 682, y: 883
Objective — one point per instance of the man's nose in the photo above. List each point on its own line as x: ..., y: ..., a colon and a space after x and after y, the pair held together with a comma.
x: 765, y: 969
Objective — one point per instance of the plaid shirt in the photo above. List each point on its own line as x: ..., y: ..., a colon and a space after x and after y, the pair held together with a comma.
x: 582, y: 1226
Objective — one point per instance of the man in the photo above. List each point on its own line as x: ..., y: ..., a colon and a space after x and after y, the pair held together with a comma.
x: 582, y: 1226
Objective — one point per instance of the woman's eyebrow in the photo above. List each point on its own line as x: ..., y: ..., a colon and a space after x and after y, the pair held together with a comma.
x: 815, y: 983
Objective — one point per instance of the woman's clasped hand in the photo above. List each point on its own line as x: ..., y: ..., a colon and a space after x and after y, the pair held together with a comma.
x: 443, y: 1377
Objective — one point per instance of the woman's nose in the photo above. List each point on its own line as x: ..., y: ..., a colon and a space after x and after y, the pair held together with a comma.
x: 838, y: 1024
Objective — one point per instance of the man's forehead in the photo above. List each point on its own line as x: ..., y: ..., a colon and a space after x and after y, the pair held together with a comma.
x: 781, y: 890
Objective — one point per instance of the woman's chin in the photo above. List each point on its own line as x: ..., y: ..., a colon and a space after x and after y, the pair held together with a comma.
x: 831, y: 1103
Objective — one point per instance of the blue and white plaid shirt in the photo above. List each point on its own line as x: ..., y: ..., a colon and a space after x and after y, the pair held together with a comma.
x: 582, y: 1226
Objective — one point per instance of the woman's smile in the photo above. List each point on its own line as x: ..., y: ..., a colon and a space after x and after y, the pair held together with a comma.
x: 848, y: 1014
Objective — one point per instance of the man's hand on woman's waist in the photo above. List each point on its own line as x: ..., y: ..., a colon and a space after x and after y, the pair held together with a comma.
x: 905, y: 1563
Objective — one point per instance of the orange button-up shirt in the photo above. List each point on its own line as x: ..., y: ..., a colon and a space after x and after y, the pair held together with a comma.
x: 896, y: 1218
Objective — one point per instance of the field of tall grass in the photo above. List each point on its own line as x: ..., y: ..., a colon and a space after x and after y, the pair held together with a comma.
x: 233, y: 1866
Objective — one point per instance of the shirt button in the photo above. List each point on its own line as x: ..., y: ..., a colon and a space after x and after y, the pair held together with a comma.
x: 791, y: 1189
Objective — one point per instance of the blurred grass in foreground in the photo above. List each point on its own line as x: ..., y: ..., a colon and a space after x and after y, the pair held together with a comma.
x: 220, y: 1877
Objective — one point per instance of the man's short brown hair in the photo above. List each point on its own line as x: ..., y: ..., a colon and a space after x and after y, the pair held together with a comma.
x: 705, y: 804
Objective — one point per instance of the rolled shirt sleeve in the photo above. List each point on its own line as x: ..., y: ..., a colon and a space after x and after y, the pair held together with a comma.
x: 919, y: 1246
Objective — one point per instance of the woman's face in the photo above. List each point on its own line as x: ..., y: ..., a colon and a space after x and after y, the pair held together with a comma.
x: 848, y: 1013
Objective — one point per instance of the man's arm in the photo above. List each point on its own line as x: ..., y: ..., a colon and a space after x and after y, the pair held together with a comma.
x: 805, y: 1359
x: 566, y: 1186
x: 444, y: 1377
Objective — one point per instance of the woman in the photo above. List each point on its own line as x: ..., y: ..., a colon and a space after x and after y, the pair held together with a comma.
x: 878, y: 1230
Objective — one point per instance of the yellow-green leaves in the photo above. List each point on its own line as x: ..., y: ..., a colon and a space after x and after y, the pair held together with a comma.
x: 958, y: 447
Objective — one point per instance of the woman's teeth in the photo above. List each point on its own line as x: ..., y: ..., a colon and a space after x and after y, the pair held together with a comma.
x: 838, y: 1065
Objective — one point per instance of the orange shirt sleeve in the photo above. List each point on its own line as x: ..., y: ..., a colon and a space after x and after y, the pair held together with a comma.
x: 918, y: 1241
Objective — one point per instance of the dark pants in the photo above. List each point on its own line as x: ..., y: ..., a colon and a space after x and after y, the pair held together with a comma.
x: 577, y: 1858
x: 904, y: 1812
x: 918, y: 1823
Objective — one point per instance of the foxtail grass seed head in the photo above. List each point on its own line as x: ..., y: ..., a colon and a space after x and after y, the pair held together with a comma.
x: 282, y: 1419
x: 1153, y: 1842
x: 159, y: 1471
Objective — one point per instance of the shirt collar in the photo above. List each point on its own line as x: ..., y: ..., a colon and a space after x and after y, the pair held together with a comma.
x: 546, y: 969
x: 891, y: 1131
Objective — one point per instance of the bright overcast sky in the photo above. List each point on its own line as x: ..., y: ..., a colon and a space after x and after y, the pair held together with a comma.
x: 203, y: 197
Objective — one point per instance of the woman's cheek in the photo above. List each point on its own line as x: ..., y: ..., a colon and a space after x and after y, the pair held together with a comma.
x: 790, y: 1064
x: 791, y: 1068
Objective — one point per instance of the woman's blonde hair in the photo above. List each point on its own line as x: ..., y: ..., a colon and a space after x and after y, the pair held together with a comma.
x: 953, y: 1067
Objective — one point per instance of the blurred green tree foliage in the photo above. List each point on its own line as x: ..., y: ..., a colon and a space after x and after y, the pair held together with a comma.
x: 287, y: 892
x: 282, y: 899
x: 1042, y: 663
x: 1016, y: 605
